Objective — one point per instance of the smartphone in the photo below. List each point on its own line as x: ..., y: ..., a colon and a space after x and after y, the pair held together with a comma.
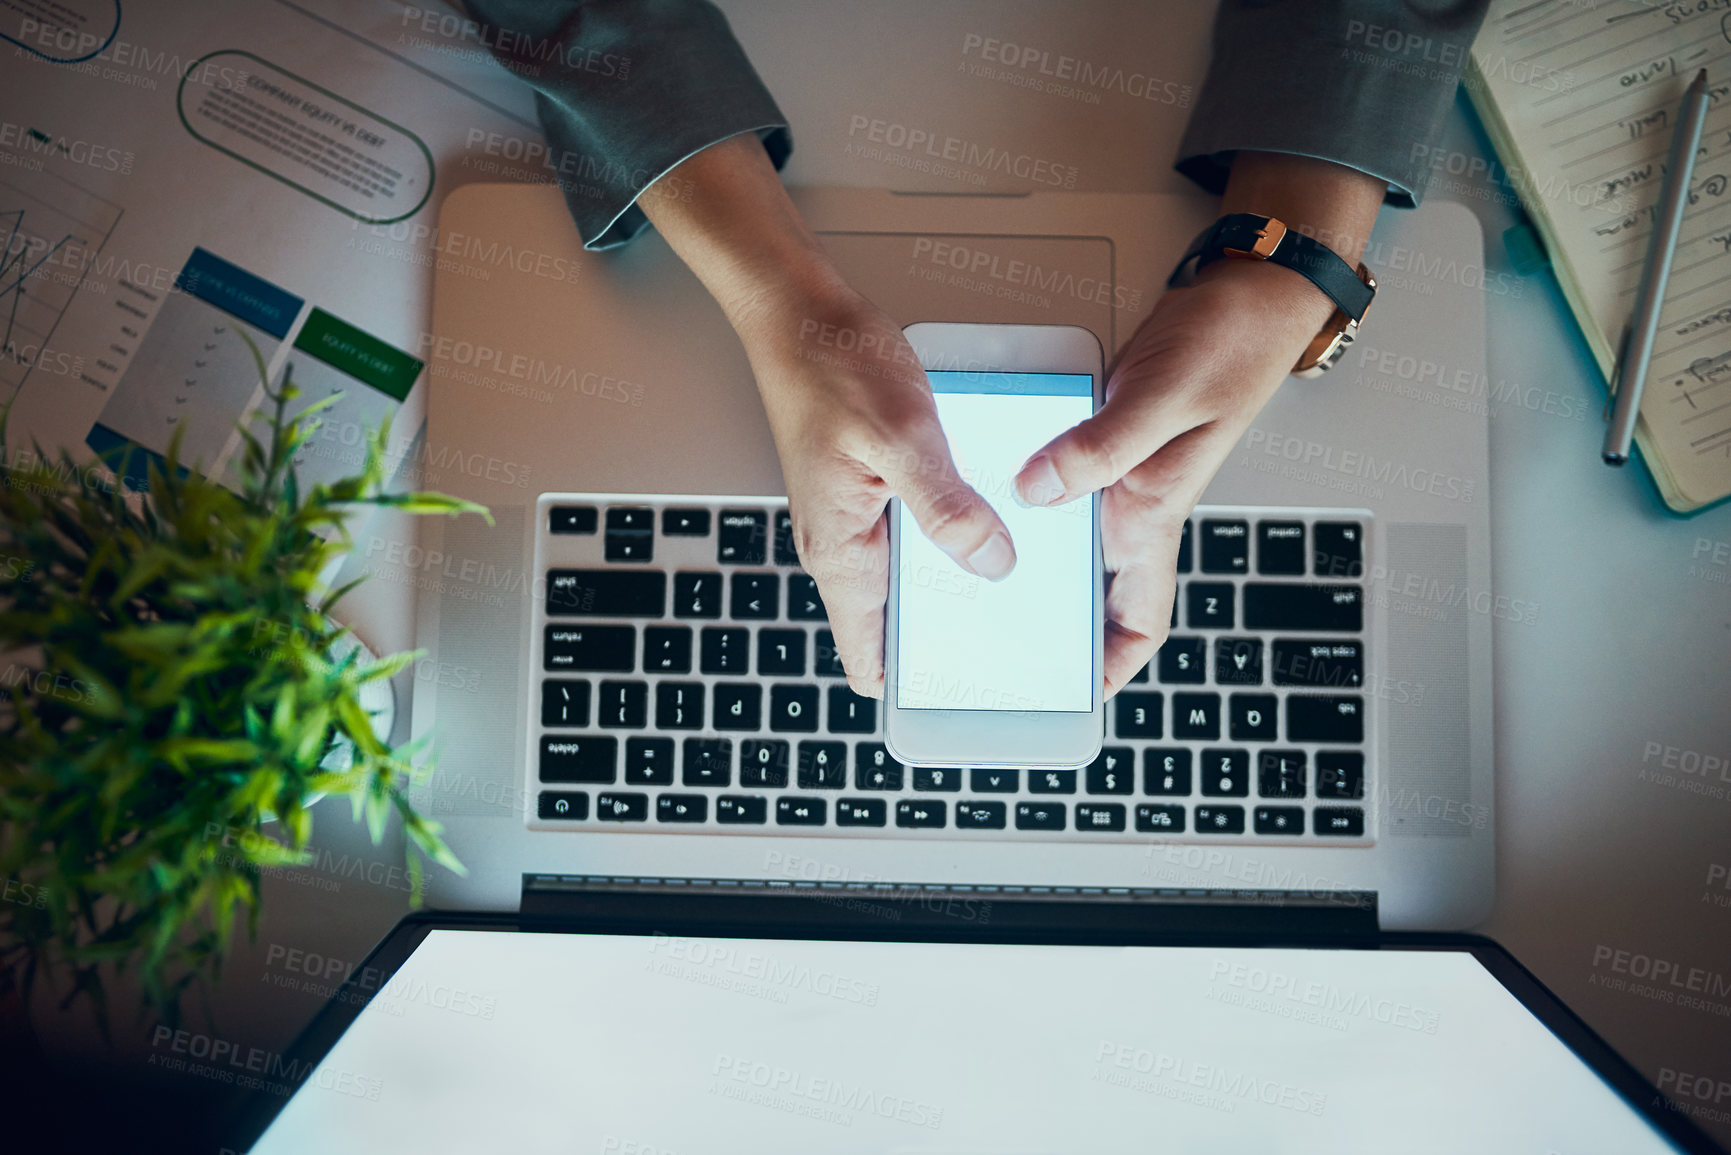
x: 1010, y: 673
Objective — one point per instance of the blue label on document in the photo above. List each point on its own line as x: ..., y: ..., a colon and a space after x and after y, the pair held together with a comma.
x: 239, y: 293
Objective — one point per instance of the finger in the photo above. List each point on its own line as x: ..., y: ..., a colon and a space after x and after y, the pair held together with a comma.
x: 949, y: 511
x: 850, y: 565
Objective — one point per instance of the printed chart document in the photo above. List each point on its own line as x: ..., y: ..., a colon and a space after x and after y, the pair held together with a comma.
x: 1580, y: 101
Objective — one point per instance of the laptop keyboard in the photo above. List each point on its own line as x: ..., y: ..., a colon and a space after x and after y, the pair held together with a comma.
x: 685, y: 679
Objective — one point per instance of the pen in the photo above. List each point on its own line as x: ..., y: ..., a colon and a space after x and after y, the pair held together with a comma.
x: 1644, y: 323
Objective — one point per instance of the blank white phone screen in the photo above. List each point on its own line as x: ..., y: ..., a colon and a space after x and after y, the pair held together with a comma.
x: 1025, y: 643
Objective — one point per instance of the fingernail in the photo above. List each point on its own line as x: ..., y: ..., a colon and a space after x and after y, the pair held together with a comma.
x: 994, y: 560
x: 1039, y: 483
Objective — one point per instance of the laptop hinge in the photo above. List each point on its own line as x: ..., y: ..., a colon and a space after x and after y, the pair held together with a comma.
x: 754, y: 908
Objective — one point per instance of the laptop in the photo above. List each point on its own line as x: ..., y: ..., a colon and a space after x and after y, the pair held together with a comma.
x: 705, y: 910
x: 641, y: 684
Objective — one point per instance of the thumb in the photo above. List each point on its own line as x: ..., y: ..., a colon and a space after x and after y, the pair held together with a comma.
x: 1130, y: 428
x: 949, y: 511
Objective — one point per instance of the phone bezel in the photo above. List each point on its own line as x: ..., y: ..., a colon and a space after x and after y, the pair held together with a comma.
x: 991, y: 738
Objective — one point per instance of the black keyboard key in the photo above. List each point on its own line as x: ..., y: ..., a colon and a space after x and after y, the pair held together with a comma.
x: 823, y: 766
x: 1253, y: 718
x: 793, y: 709
x: 1313, y: 718
x: 725, y: 651
x: 606, y: 593
x: 763, y: 763
x: 570, y: 758
x: 1196, y: 716
x: 649, y: 761
x: 1318, y: 663
x: 630, y: 519
x: 738, y: 706
x: 1040, y: 816
x: 1166, y: 772
x: 1339, y: 774
x: 741, y: 810
x: 785, y: 554
x: 1225, y: 773
x: 1339, y: 551
x: 1220, y: 820
x: 681, y: 808
x: 1277, y: 819
x: 1140, y: 676
x: 1280, y: 547
x: 921, y: 813
x: 945, y: 778
x: 851, y: 714
x: 797, y: 811
x: 573, y: 519
x: 860, y: 812
x: 707, y: 762
x: 803, y: 602
x: 826, y: 660
x: 756, y: 597
x: 1051, y: 781
x: 1100, y: 816
x: 743, y: 537
x: 609, y: 649
x: 611, y: 807
x: 980, y: 815
x: 1209, y: 606
x: 1225, y: 546
x: 874, y: 768
x: 1288, y: 606
x: 1113, y: 772
x: 685, y: 522
x: 1136, y: 714
x: 993, y: 781
x: 562, y: 805
x: 697, y: 595
x: 1238, y: 661
x: 667, y: 649
x: 1184, y: 549
x: 1157, y: 818
x: 1281, y: 773
x: 679, y: 706
x: 564, y: 702
x: 624, y: 705
x: 1338, y: 821
x: 1183, y: 661
x: 781, y: 653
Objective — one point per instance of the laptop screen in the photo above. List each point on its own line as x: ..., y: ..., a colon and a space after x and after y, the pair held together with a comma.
x: 668, y: 1045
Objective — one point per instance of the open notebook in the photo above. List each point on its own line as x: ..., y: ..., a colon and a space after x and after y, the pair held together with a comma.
x: 1580, y: 100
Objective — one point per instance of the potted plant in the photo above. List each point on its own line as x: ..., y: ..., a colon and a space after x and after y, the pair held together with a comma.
x: 168, y: 668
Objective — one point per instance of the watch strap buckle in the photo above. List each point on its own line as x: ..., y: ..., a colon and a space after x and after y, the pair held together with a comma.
x: 1268, y: 238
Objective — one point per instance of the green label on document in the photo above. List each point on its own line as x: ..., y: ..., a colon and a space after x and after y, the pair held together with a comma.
x: 361, y: 355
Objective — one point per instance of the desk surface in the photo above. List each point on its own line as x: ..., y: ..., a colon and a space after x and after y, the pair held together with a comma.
x: 1613, y: 618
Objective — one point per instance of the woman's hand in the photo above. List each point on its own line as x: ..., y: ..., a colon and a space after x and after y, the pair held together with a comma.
x: 1187, y: 384
x: 849, y: 406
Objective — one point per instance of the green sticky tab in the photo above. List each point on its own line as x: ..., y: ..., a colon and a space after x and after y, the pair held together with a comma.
x: 361, y: 355
x: 1526, y: 251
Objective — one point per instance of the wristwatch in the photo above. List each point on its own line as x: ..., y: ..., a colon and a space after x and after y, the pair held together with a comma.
x: 1247, y: 236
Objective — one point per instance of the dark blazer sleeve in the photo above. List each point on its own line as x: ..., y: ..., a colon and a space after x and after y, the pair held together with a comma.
x: 1364, y: 83
x: 626, y: 89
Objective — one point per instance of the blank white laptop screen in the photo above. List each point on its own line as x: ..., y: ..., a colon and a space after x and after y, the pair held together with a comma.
x: 575, y: 1043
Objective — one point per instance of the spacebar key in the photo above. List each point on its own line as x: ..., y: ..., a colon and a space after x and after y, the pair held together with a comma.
x: 1282, y: 606
x: 606, y: 593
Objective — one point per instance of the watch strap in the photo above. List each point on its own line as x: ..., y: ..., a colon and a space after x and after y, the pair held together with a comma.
x: 1264, y: 238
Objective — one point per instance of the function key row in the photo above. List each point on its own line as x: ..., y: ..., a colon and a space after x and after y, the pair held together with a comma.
x: 750, y: 536
x: 934, y: 814
x: 742, y: 536
x: 1336, y: 547
x: 638, y: 593
x: 775, y: 763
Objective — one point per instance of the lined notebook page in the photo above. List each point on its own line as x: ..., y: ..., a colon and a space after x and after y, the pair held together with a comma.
x: 1580, y: 98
